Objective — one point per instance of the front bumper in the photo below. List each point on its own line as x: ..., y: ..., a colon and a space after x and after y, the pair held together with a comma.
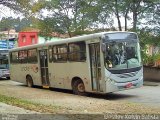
x: 114, y: 86
x: 5, y: 75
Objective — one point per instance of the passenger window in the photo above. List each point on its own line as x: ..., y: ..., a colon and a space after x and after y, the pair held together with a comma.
x: 50, y: 53
x: 77, y: 51
x: 14, y: 57
x: 22, y: 56
x: 60, y: 53
x: 32, y: 56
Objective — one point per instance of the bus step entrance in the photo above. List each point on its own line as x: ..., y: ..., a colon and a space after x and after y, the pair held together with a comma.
x: 45, y: 86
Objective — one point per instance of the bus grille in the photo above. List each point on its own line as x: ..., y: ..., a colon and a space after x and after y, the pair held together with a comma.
x: 127, y: 75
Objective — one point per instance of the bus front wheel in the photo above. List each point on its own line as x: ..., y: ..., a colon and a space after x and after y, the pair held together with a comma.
x: 79, y: 88
x: 29, y: 81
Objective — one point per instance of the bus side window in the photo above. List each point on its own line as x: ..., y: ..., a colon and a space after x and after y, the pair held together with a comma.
x: 14, y: 57
x: 50, y: 53
x: 22, y: 55
x: 77, y: 51
x: 32, y: 56
x: 60, y: 53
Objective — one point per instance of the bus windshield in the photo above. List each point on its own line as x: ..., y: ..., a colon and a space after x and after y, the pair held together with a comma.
x: 4, y: 59
x: 122, y: 54
x: 4, y: 64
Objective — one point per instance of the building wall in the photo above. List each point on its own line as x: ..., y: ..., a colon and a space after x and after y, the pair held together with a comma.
x: 4, y: 44
x: 151, y: 74
x: 42, y: 39
x: 27, y: 38
x: 8, y: 34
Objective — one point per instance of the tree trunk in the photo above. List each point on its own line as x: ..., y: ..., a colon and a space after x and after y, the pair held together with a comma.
x: 117, y: 15
x: 125, y: 23
x: 134, y: 20
x: 119, y: 24
x: 135, y: 7
x: 126, y: 15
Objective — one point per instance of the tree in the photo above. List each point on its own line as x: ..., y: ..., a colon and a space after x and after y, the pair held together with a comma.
x: 15, y: 23
x: 78, y: 16
x: 125, y: 8
x: 152, y: 18
x: 23, y: 6
x: 118, y: 9
x: 73, y: 16
x: 26, y: 7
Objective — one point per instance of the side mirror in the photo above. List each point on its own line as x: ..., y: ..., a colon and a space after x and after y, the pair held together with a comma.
x: 103, y: 47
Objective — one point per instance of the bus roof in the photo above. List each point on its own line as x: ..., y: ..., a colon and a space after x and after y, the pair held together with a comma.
x: 67, y: 40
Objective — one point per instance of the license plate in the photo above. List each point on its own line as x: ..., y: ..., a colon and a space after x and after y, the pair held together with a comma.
x: 128, y: 85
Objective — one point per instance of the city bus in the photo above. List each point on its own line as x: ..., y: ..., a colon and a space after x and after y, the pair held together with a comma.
x: 98, y: 63
x: 4, y: 65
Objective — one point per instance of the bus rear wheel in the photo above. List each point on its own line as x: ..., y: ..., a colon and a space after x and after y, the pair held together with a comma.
x: 29, y: 81
x: 79, y: 88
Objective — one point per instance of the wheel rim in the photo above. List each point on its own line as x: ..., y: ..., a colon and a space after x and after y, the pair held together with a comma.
x: 81, y: 87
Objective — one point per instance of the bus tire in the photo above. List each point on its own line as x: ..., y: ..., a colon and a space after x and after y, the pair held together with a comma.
x: 29, y: 81
x: 78, y: 87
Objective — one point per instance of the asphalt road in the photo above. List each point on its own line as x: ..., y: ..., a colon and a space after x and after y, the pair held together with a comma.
x: 147, y: 95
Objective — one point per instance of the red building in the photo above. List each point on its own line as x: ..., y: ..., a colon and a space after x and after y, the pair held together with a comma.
x: 27, y: 38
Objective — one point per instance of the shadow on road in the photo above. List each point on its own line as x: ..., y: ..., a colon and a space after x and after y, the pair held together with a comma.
x: 108, y: 96
x: 3, y: 79
x: 111, y: 96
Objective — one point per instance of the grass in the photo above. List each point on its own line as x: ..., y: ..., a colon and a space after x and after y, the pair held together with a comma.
x: 28, y: 105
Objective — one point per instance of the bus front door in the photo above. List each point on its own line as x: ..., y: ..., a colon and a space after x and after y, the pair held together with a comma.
x: 44, y: 68
x: 94, y: 51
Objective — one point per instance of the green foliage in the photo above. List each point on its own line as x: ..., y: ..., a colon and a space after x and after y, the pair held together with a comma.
x: 28, y: 105
x: 15, y: 23
x: 1, y: 36
x: 79, y: 15
x: 22, y: 6
x: 46, y: 27
x: 149, y: 60
x: 147, y: 38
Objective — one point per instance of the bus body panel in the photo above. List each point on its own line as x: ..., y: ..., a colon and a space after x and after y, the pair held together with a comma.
x: 24, y: 70
x: 61, y: 78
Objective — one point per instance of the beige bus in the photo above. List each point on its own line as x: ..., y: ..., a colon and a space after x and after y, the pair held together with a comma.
x: 101, y: 62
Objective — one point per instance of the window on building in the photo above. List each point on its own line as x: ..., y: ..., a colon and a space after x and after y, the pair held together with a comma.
x: 33, y: 40
x: 23, y: 39
x: 32, y: 56
x: 14, y: 57
x: 23, y: 56
x: 77, y: 51
x: 60, y: 53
